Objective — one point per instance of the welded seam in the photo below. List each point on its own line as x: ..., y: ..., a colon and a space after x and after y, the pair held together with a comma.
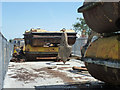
x: 108, y: 63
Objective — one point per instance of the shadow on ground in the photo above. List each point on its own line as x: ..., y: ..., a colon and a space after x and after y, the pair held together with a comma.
x: 80, y: 86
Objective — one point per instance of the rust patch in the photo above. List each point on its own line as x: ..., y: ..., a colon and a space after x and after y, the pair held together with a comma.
x: 54, y: 73
x: 62, y: 68
x: 46, y: 58
x: 78, y: 77
x: 110, y: 76
x: 23, y: 75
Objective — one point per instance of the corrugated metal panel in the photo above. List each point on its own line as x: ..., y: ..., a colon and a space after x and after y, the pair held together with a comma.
x: 6, y: 50
x: 78, y: 45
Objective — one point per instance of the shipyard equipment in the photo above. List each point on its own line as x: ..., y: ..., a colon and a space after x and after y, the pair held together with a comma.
x: 42, y: 44
x: 102, y: 56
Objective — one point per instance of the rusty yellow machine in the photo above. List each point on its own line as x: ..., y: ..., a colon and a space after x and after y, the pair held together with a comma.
x: 42, y: 44
x: 102, y: 56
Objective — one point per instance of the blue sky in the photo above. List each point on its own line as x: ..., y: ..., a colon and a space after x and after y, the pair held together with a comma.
x: 52, y: 16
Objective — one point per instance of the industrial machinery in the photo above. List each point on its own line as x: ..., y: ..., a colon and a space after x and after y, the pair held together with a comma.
x: 42, y: 44
x: 102, y: 56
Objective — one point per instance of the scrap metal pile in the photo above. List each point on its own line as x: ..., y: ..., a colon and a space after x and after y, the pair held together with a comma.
x: 18, y: 54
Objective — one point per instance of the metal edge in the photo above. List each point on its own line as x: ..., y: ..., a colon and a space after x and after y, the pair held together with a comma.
x: 107, y: 62
x: 88, y: 6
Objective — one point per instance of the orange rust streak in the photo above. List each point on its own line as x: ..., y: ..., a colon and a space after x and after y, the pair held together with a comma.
x: 46, y: 58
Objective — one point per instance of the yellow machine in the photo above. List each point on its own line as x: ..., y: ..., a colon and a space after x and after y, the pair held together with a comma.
x: 42, y: 44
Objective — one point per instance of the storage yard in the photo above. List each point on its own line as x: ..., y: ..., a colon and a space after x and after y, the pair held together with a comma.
x: 49, y: 74
x: 61, y: 59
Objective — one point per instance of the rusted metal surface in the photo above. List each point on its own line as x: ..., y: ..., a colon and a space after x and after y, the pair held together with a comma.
x: 88, y: 6
x: 64, y: 49
x: 44, y: 45
x: 102, y: 59
x: 104, y: 73
x: 46, y: 57
x: 47, y: 49
x: 104, y: 62
x: 32, y: 56
x: 105, y: 48
x: 41, y: 38
x: 79, y: 68
x: 90, y: 38
x: 103, y: 17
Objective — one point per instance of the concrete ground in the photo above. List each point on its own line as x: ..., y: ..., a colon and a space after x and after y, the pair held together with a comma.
x: 40, y: 75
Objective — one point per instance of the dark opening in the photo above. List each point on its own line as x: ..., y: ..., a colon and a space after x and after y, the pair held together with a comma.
x: 118, y: 23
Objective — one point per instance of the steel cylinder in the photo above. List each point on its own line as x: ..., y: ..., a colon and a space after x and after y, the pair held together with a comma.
x: 102, y: 17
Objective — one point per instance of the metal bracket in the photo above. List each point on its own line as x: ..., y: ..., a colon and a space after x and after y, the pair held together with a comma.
x: 64, y: 49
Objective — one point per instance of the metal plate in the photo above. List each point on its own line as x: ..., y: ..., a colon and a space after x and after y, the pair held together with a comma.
x: 104, y: 17
x: 103, y: 73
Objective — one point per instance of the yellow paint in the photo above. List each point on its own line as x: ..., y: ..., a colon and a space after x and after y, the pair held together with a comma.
x: 41, y: 30
x: 24, y: 48
x: 15, y: 51
x: 105, y: 48
x: 40, y: 49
